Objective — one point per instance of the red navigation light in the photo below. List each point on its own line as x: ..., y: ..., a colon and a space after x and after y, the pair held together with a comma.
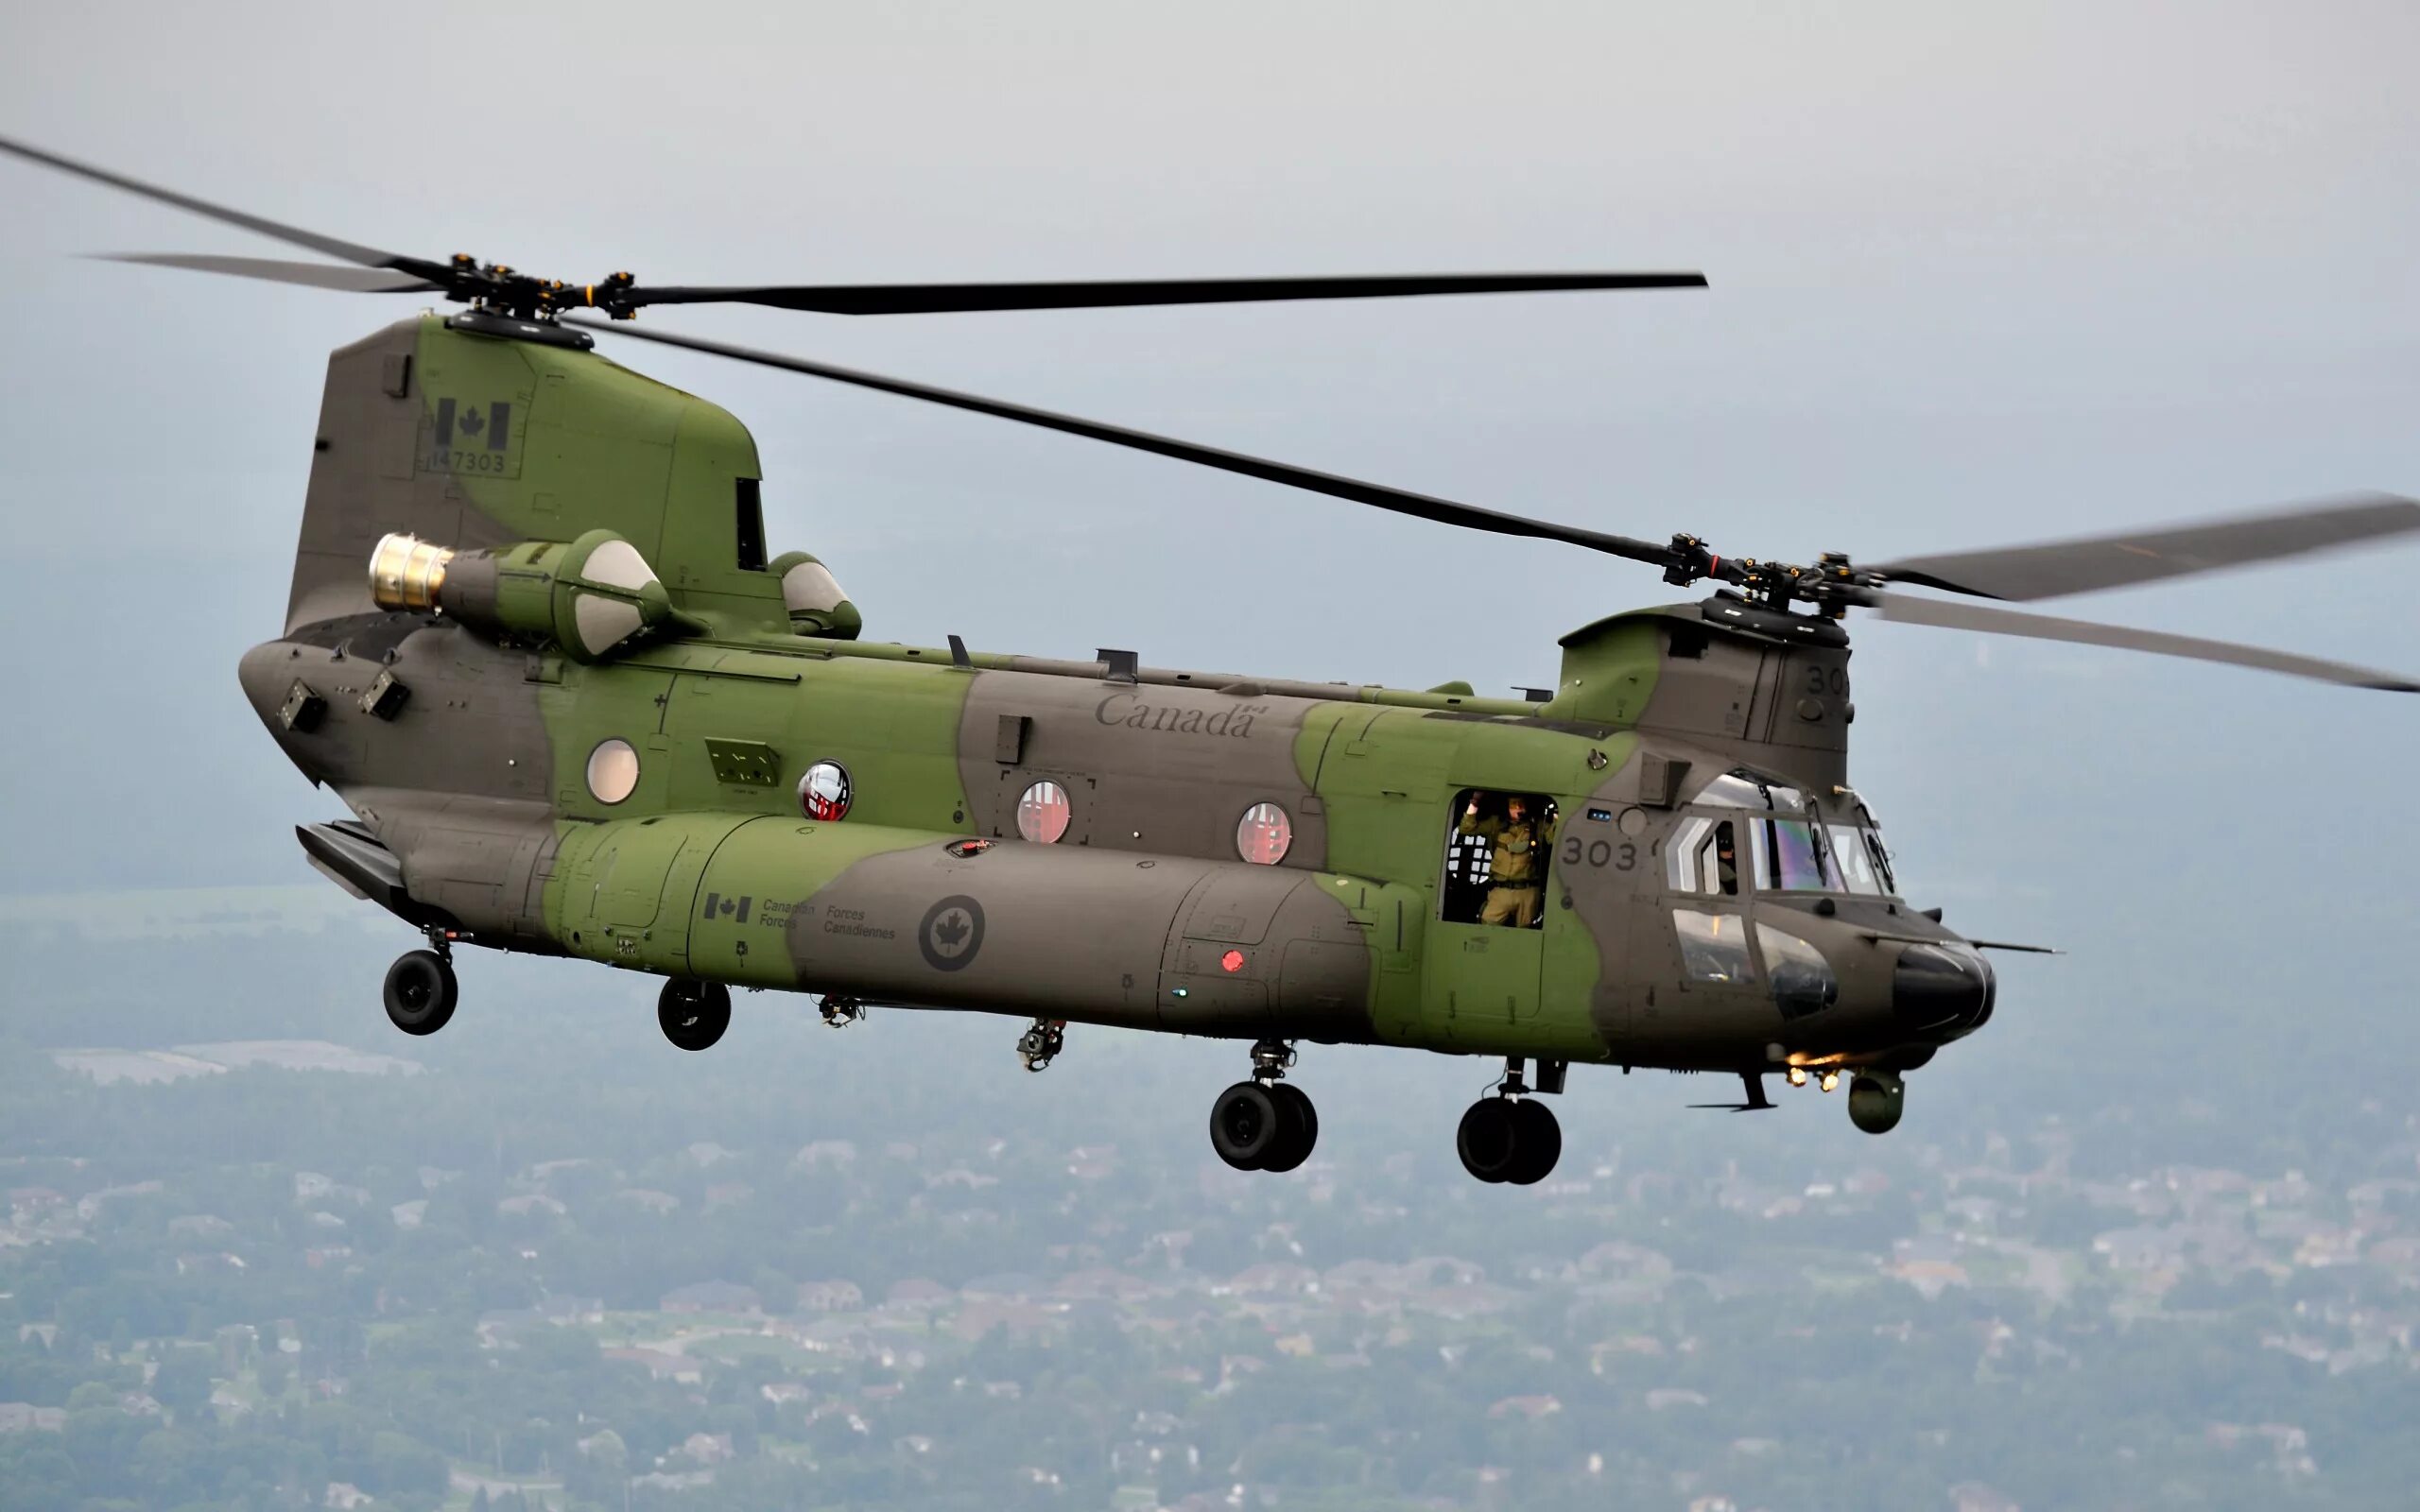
x: 1232, y: 961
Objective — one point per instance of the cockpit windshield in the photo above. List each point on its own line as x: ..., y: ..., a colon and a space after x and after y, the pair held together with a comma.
x: 1793, y: 844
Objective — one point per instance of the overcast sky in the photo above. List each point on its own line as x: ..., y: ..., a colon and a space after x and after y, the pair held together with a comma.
x: 1974, y: 280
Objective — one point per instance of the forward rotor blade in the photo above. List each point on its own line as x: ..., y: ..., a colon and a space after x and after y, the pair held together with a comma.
x: 316, y: 275
x: 2095, y: 562
x: 1957, y: 616
x: 928, y: 298
x: 1445, y: 511
x: 328, y: 246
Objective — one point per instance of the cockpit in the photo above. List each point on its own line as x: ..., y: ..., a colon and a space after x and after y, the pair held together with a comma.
x: 1744, y: 832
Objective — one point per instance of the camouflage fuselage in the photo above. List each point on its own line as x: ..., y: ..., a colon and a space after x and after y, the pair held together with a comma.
x: 1143, y: 913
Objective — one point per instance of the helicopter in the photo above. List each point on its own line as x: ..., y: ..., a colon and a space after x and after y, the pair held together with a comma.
x: 538, y: 646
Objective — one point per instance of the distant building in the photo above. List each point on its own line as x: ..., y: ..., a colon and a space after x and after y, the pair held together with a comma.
x: 830, y: 1296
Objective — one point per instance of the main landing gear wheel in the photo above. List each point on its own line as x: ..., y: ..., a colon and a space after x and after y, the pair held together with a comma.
x: 1504, y: 1139
x: 1302, y: 1129
x: 1263, y: 1126
x: 421, y: 991
x: 693, y: 1015
x: 1876, y: 1098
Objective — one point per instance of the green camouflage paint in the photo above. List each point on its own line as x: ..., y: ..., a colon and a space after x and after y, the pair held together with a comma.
x: 1143, y: 913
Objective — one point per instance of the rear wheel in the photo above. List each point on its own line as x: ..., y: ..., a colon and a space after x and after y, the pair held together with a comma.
x: 421, y: 991
x: 1489, y: 1139
x: 1247, y: 1125
x: 1537, y: 1143
x: 1300, y: 1131
x: 693, y: 1015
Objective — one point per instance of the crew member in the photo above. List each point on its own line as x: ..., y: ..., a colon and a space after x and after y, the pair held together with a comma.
x: 1515, y: 873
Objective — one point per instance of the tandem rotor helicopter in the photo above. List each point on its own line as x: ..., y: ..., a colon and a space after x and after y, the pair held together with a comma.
x: 537, y: 644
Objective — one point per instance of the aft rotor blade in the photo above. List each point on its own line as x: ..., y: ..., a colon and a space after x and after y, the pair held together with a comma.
x: 1425, y: 506
x: 2095, y: 562
x: 1951, y: 615
x: 327, y: 245
x: 930, y: 298
x: 276, y: 270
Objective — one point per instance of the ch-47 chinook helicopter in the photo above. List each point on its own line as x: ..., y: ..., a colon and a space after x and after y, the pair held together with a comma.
x: 536, y: 644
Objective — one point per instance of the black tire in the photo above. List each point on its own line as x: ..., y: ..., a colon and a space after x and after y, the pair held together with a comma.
x: 1489, y: 1140
x: 693, y: 1015
x: 421, y: 992
x: 1301, y: 1132
x: 1247, y: 1125
x: 1537, y: 1143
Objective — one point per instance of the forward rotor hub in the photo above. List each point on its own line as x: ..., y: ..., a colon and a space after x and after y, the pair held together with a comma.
x: 1833, y: 585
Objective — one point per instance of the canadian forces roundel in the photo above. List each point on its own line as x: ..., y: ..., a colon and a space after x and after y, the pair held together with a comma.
x: 952, y: 933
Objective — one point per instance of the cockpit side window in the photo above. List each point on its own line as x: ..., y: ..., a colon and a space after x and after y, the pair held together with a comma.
x: 1705, y: 857
x: 1497, y: 847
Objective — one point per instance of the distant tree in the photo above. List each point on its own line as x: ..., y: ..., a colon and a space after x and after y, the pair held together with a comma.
x: 183, y: 1383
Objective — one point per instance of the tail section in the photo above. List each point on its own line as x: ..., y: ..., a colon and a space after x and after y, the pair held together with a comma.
x: 470, y: 439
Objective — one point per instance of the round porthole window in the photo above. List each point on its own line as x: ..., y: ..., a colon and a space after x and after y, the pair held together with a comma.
x: 1043, y: 812
x: 823, y: 791
x: 613, y: 771
x: 1263, y: 834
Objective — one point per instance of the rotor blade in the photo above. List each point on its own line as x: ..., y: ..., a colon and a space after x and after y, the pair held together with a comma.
x: 276, y: 270
x: 1445, y: 511
x: 328, y: 246
x: 2095, y: 562
x: 1957, y: 616
x: 926, y: 299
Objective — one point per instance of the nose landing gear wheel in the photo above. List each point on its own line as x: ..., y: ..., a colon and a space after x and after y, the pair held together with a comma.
x: 693, y: 1015
x: 1263, y: 1126
x: 421, y: 991
x: 1504, y: 1140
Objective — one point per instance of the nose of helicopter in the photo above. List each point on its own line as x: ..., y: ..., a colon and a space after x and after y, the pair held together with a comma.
x: 1946, y: 988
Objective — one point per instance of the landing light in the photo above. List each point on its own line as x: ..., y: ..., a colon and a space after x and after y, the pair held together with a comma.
x: 1831, y: 1079
x: 1798, y: 1076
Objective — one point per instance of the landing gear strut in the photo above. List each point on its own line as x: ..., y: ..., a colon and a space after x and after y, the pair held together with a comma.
x: 1508, y: 1136
x: 1040, y: 1046
x: 693, y: 1015
x: 421, y: 988
x: 1266, y: 1123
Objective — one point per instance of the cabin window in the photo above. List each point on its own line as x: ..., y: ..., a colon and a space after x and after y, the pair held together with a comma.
x: 613, y: 771
x: 1497, y: 845
x: 824, y: 792
x: 1043, y: 812
x: 1264, y: 834
x: 749, y: 505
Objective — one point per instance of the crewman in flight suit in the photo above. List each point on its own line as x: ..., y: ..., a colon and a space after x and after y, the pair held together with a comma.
x: 1517, y: 872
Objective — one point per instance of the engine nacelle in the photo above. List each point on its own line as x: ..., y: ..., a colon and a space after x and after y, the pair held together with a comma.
x: 595, y: 596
